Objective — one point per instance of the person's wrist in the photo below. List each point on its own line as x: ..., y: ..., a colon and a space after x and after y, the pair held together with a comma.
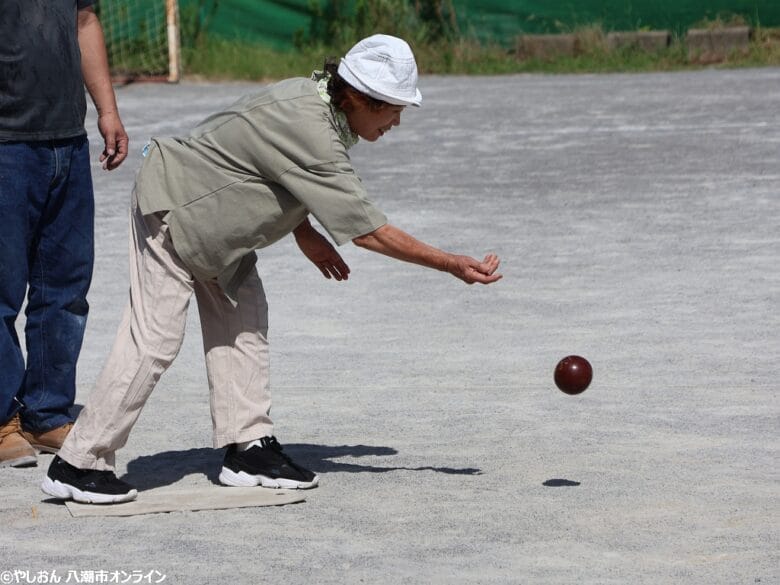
x: 448, y: 264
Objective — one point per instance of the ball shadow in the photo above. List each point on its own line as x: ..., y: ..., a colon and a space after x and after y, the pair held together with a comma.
x: 558, y: 482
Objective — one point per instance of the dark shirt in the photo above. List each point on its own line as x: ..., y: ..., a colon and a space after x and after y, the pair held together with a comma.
x: 41, y: 87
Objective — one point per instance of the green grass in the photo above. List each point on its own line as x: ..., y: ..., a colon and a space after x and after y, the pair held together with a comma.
x: 223, y: 60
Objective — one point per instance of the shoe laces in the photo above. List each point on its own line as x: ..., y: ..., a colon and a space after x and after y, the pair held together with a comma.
x: 272, y: 444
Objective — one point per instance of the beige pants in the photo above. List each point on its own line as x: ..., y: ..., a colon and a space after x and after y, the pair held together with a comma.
x: 149, y: 337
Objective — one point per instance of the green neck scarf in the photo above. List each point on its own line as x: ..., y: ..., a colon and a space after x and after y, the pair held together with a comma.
x: 347, y: 136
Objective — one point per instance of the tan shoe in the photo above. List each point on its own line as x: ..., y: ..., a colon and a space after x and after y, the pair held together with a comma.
x: 48, y: 441
x: 15, y: 451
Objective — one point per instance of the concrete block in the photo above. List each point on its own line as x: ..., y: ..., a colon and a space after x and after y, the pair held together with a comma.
x: 717, y: 43
x: 546, y: 46
x: 649, y: 41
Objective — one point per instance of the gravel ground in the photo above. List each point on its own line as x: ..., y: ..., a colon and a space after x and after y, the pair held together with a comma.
x: 637, y: 220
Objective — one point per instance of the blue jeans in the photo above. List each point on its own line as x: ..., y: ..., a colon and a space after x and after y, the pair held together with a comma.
x: 47, y: 244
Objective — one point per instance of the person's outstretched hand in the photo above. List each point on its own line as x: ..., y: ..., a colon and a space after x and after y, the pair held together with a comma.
x: 471, y: 270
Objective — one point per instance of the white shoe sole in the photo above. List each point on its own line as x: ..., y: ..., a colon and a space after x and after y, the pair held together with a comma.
x: 243, y: 479
x: 23, y: 461
x: 45, y: 449
x: 62, y: 491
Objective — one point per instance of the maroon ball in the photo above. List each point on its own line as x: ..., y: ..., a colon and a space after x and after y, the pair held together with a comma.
x: 573, y: 374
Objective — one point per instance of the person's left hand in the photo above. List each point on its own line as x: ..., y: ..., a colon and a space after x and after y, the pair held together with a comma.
x: 322, y: 254
x: 115, y: 138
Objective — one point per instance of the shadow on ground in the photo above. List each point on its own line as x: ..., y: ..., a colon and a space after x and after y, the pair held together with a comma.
x: 556, y: 482
x: 168, y: 467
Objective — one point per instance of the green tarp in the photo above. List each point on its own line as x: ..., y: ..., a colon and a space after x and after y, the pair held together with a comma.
x: 268, y: 22
x: 503, y: 20
x: 275, y: 22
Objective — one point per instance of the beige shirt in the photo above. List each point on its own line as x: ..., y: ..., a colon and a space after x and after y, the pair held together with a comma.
x: 247, y: 176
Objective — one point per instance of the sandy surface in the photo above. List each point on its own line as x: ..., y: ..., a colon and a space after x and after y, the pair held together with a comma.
x: 637, y: 218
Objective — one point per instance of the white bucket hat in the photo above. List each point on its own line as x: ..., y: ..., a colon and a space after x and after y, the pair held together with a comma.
x: 382, y: 67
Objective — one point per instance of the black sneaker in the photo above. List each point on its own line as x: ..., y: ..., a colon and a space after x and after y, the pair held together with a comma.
x: 90, y: 486
x: 267, y: 466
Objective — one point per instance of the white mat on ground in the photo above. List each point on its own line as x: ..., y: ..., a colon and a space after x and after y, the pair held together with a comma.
x: 174, y: 500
